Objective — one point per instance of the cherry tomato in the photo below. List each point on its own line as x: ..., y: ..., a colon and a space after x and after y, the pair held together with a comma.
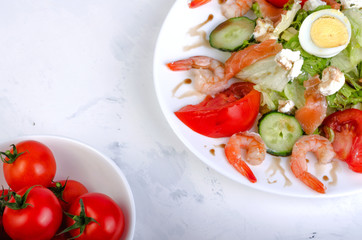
x: 281, y: 3
x: 230, y: 111
x: 29, y: 163
x: 67, y: 191
x: 105, y: 218
x: 347, y: 141
x: 38, y: 218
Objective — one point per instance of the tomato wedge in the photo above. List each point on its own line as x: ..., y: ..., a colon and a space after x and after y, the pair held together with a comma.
x: 278, y: 3
x: 197, y: 3
x: 230, y: 111
x: 281, y: 3
x: 347, y: 142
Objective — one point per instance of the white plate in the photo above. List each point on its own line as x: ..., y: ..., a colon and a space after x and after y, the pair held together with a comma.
x: 97, y: 172
x: 173, y: 37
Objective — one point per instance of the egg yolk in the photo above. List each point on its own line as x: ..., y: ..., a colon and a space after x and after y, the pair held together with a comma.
x: 328, y: 32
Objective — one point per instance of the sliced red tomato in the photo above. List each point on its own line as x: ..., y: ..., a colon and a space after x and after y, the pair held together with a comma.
x: 278, y: 3
x: 197, y: 3
x: 347, y: 142
x: 230, y: 111
x: 281, y: 3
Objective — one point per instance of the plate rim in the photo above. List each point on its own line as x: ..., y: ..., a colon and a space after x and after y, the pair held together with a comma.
x: 194, y: 151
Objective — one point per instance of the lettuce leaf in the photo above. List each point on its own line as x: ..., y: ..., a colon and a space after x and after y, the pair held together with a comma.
x: 302, y: 14
x: 355, y: 18
x: 266, y: 73
x: 350, y: 95
x: 287, y: 19
x: 343, y: 62
x: 256, y: 9
x: 269, y: 98
x: 295, y: 91
x: 349, y: 62
x: 345, y: 97
x: 355, y: 46
x: 312, y: 65
x: 288, y: 34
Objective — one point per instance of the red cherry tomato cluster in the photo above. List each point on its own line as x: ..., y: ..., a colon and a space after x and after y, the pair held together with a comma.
x: 37, y: 208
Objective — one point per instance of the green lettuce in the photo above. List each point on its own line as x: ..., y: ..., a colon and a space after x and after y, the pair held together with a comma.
x: 295, y: 91
x: 355, y: 18
x: 345, y: 97
x: 266, y: 73
x: 354, y: 48
x: 269, y: 98
x: 343, y: 62
x: 288, y: 34
x: 303, y: 14
x: 287, y: 19
x: 312, y: 65
x: 256, y: 9
x: 349, y: 62
x: 350, y: 95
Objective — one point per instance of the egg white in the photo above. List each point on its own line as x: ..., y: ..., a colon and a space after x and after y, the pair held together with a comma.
x: 305, y: 38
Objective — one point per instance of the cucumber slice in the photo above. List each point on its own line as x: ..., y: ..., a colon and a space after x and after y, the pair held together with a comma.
x: 230, y: 35
x: 279, y: 132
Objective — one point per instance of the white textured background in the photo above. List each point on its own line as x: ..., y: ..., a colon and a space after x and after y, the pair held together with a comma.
x: 83, y: 69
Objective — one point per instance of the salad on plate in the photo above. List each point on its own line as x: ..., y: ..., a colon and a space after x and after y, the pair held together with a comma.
x: 294, y: 70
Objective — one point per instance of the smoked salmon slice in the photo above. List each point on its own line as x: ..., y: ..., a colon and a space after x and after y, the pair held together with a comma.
x: 270, y: 11
x: 333, y: 4
x: 312, y: 114
x: 247, y: 56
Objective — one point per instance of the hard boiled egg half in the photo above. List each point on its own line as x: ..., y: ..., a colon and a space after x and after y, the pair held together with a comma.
x: 325, y: 33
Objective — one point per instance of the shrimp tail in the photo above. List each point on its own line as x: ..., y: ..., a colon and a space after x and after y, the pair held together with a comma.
x: 180, y: 65
x: 312, y: 182
x: 245, y: 170
x: 197, y: 3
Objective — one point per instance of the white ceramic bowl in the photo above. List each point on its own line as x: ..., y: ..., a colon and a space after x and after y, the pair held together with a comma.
x: 97, y: 172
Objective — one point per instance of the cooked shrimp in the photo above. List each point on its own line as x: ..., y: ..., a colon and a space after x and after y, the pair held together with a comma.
x: 255, y: 152
x: 324, y: 152
x: 208, y: 73
x: 197, y: 3
x: 236, y: 8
